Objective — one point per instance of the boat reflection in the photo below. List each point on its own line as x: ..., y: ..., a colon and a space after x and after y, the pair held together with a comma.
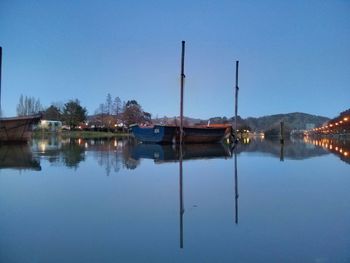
x: 340, y: 148
x: 172, y: 153
x: 19, y: 157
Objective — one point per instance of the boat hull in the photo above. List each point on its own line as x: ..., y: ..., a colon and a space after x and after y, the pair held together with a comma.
x: 17, y: 129
x: 171, y: 134
x: 155, y: 134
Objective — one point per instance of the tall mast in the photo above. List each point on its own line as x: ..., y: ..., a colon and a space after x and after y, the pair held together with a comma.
x: 182, y: 210
x: 236, y: 100
x: 182, y: 89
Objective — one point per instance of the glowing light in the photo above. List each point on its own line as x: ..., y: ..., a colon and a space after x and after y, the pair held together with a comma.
x: 346, y: 119
x: 79, y: 141
x: 43, y: 147
x: 345, y: 153
x: 330, y: 125
x: 331, y: 147
x: 341, y: 150
x: 341, y: 122
x: 336, y: 148
x: 336, y: 123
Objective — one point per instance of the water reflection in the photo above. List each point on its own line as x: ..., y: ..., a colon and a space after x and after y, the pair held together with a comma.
x: 291, y: 149
x: 203, y: 201
x: 18, y: 157
x: 172, y: 153
x: 236, y: 184
x: 68, y: 152
x: 339, y: 147
x: 125, y: 153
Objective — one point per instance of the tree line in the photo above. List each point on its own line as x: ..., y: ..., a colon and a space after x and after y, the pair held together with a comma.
x: 110, y: 114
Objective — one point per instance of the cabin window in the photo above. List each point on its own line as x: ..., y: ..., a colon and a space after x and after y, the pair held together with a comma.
x: 156, y: 130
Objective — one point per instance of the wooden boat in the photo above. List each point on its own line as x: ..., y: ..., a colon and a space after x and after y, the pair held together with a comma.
x: 181, y: 134
x: 17, y: 129
x: 171, y: 134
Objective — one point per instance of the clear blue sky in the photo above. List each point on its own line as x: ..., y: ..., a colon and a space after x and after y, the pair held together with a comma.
x: 294, y: 55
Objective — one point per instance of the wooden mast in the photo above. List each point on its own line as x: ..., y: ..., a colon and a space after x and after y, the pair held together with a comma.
x: 236, y: 101
x: 182, y: 210
x: 182, y: 89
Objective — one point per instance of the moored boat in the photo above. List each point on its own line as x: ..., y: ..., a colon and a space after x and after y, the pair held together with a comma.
x: 171, y: 134
x: 17, y: 129
x: 182, y: 134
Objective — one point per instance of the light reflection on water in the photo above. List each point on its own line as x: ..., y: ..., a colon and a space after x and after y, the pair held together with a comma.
x: 119, y: 201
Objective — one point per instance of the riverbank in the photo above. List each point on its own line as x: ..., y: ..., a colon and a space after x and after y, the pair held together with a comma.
x: 80, y: 134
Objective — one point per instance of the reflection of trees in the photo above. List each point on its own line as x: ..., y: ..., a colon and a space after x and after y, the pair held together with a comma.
x: 72, y: 154
x: 113, y: 154
x: 104, y: 152
x: 128, y: 161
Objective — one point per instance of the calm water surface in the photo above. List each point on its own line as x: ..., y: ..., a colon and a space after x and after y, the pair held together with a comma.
x: 117, y: 201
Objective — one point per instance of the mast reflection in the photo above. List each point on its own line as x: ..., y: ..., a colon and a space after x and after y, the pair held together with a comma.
x: 182, y: 210
x: 236, y: 184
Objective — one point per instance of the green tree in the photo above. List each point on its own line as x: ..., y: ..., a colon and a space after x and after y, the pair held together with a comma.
x: 73, y: 113
x: 52, y: 113
x: 132, y: 113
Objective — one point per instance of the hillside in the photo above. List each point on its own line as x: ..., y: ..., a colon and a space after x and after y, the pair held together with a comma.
x: 296, y: 120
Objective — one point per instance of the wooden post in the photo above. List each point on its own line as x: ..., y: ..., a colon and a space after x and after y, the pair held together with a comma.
x: 182, y: 89
x: 236, y: 101
x: 282, y: 153
x: 282, y: 132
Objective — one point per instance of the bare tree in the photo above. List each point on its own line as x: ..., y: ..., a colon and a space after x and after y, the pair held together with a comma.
x: 109, y: 104
x: 117, y: 106
x: 28, y: 106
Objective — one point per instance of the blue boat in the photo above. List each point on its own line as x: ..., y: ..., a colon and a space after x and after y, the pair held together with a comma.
x: 171, y: 134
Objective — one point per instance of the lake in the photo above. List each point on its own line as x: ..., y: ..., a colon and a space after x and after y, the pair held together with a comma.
x: 119, y: 201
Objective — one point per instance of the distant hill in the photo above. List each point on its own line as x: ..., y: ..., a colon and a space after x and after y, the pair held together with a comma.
x: 292, y: 121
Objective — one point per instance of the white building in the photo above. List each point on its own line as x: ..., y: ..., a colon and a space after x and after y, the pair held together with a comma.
x: 52, y: 126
